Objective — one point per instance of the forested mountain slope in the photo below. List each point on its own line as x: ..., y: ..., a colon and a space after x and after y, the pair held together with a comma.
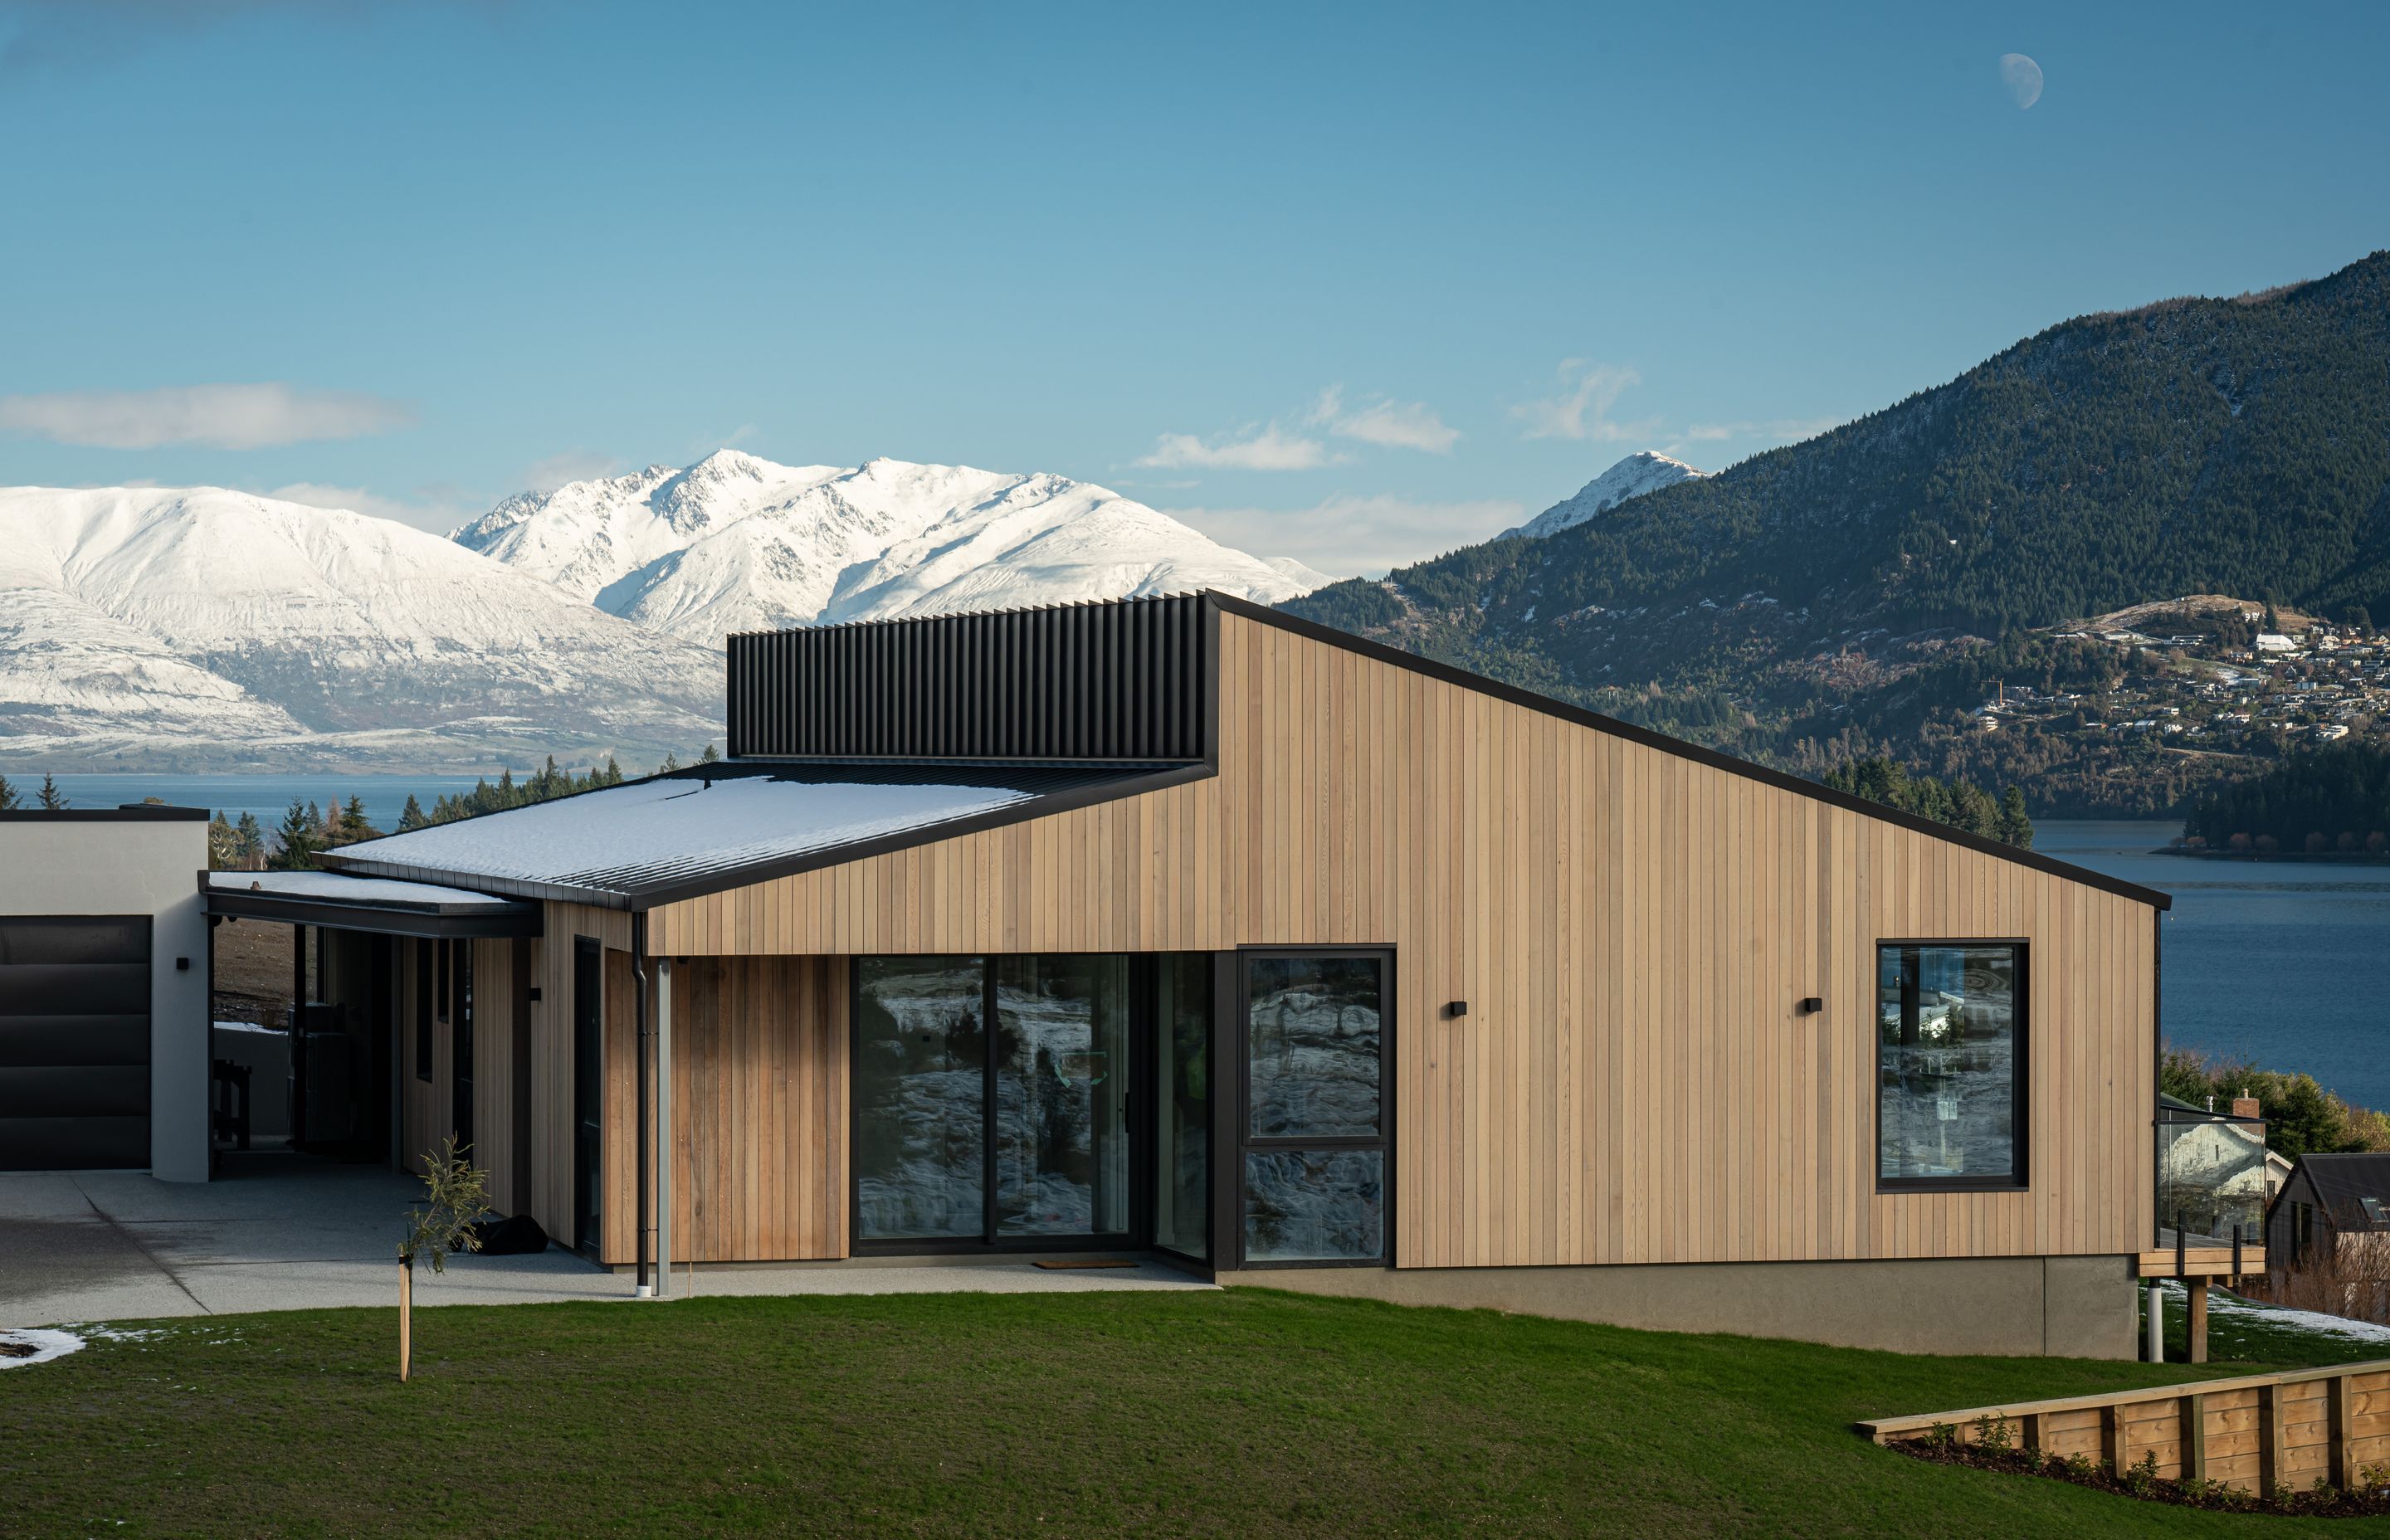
x: 2195, y: 445
x: 1842, y: 585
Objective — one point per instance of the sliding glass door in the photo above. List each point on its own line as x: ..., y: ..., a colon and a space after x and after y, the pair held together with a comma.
x: 992, y: 1101
x: 920, y: 1097
x: 1061, y: 1096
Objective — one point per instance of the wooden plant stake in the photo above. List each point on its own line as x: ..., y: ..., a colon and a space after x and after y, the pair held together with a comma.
x: 457, y: 1197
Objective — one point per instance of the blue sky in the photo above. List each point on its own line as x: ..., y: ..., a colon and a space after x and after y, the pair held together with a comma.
x: 1350, y: 284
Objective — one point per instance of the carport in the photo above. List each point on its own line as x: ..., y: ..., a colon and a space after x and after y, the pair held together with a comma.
x: 357, y: 1015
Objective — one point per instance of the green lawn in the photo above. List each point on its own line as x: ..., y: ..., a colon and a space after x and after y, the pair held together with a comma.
x: 1247, y: 1414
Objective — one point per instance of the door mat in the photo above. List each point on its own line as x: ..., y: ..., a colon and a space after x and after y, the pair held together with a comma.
x: 1092, y: 1261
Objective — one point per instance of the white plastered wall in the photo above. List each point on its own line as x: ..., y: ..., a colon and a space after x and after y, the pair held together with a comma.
x: 134, y: 866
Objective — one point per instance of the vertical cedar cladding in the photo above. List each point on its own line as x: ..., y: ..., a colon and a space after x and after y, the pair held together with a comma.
x: 1123, y: 680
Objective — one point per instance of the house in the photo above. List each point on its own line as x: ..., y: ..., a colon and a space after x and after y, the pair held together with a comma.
x: 2325, y: 1206
x: 103, y: 990
x: 2212, y: 1171
x: 1184, y: 926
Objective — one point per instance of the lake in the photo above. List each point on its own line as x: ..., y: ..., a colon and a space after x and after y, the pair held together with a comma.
x: 267, y: 796
x: 2277, y: 962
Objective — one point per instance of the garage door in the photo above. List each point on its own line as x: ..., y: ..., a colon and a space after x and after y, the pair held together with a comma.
x: 74, y: 1042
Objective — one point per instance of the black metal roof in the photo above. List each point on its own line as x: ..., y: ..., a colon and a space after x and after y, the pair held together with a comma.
x: 2352, y: 1188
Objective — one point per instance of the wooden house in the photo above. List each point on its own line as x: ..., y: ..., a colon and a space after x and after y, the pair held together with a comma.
x: 1182, y: 927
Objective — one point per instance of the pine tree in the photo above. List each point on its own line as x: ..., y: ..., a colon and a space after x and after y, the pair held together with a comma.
x: 249, y: 843
x: 300, y: 838
x: 354, y: 826
x: 2016, y: 828
x: 672, y: 763
x: 709, y: 757
x: 411, y: 815
x: 53, y: 799
x: 613, y: 772
x: 223, y: 845
x: 8, y: 799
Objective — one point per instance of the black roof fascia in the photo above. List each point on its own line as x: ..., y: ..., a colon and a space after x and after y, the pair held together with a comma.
x: 1750, y: 769
x: 457, y: 923
x: 131, y: 812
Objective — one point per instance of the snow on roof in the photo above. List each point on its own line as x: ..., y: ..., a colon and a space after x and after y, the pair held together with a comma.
x: 647, y: 834
x: 340, y: 888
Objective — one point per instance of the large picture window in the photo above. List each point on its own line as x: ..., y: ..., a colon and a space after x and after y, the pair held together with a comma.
x: 1314, y: 1167
x: 1950, y: 1049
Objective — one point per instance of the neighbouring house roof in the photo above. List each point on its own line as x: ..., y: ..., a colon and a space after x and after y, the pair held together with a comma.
x: 128, y: 813
x: 673, y: 836
x: 2352, y: 1190
x: 366, y: 904
x: 2191, y: 1111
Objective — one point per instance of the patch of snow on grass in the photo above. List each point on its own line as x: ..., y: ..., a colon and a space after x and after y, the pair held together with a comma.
x: 46, y: 1344
x: 2221, y: 1304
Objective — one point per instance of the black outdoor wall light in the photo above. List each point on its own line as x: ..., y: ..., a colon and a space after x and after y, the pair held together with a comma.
x: 1811, y: 1006
x: 1457, y: 1009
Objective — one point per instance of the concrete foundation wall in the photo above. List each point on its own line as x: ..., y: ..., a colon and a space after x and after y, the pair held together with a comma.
x: 2068, y: 1306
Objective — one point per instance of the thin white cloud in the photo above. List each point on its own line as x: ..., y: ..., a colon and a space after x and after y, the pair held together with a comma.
x: 571, y: 465
x: 215, y: 416
x: 1581, y: 409
x: 1387, y: 423
x: 1348, y: 536
x: 439, y: 513
x: 1782, y: 429
x: 1267, y: 449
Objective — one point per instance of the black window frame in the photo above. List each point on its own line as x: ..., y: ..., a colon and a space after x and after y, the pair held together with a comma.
x: 1228, y: 1181
x: 2020, y: 1077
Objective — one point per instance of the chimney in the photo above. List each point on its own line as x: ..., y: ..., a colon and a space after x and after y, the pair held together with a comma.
x: 2245, y: 1105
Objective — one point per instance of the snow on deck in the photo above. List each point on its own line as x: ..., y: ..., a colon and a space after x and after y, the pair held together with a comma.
x: 651, y: 832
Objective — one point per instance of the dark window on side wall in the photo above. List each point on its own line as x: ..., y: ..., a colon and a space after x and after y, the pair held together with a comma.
x: 423, y: 997
x: 1950, y: 1053
x: 1314, y: 1166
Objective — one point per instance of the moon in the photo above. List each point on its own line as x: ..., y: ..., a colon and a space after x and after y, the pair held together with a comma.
x: 2023, y: 77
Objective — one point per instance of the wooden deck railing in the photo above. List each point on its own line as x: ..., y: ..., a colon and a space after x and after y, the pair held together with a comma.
x: 2257, y: 1432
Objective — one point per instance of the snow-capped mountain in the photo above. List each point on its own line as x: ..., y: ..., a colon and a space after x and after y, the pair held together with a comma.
x: 1632, y: 477
x: 209, y: 628
x: 736, y: 542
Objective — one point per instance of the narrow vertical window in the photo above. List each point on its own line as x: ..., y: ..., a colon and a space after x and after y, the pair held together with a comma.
x: 1182, y: 1102
x: 1951, y: 1051
x: 423, y: 998
x: 1314, y: 1165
